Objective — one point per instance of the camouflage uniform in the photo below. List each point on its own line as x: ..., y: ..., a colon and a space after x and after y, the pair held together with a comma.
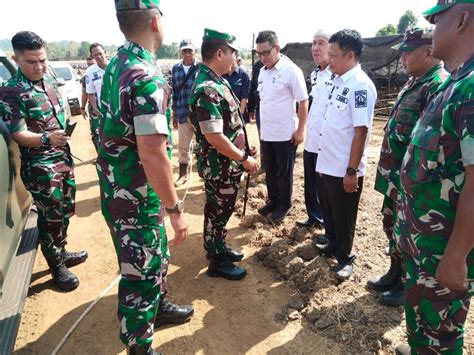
x: 410, y: 103
x: 214, y: 109
x: 134, y: 100
x: 46, y: 171
x: 93, y: 119
x: 432, y: 178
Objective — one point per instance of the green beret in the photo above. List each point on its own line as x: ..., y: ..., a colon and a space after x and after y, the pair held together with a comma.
x: 128, y: 5
x: 212, y: 36
x: 414, y: 38
x: 441, y: 6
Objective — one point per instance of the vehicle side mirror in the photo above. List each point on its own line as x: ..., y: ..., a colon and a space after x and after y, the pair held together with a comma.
x: 60, y: 82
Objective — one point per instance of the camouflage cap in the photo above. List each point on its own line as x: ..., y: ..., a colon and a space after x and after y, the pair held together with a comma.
x: 212, y: 36
x: 128, y: 5
x: 414, y: 38
x: 441, y: 6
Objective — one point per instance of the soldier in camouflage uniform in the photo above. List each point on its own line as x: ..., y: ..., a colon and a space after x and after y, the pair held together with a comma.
x: 34, y: 114
x: 427, y: 74
x: 134, y: 169
x: 223, y: 152
x: 436, y: 202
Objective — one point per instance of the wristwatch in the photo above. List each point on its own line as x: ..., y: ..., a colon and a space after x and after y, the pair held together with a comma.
x: 178, y: 208
x: 44, y: 139
x: 244, y: 158
x: 351, y: 171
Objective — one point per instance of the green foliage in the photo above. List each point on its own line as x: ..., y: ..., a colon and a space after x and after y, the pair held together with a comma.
x: 387, y: 30
x: 168, y: 51
x: 407, y: 20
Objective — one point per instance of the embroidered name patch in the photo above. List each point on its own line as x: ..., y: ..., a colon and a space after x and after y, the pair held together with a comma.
x: 361, y: 98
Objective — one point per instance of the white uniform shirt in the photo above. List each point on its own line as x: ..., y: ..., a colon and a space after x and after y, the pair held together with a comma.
x: 351, y: 104
x: 279, y: 89
x: 93, y: 79
x: 321, y: 82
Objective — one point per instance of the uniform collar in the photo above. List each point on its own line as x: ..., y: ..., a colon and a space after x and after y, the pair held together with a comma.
x: 139, y: 51
x: 429, y: 74
x: 464, y: 69
x: 211, y: 73
x: 350, y: 73
x: 20, y: 77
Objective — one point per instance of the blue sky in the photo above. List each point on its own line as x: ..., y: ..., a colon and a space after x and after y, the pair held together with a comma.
x: 293, y: 21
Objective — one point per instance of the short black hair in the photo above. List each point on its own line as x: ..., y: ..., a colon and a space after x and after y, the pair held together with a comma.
x: 135, y: 21
x: 267, y: 36
x: 348, y: 40
x: 27, y: 40
x: 208, y: 50
x: 95, y: 45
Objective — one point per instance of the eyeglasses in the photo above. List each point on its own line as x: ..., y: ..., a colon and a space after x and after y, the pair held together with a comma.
x: 265, y: 53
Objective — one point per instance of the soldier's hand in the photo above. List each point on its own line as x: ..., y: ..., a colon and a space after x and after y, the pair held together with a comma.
x: 84, y: 113
x: 350, y: 183
x: 452, y: 273
x: 180, y: 226
x: 97, y: 113
x: 297, y: 138
x: 58, y: 138
x: 251, y: 165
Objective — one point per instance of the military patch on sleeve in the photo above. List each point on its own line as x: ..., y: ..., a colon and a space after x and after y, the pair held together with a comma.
x: 361, y: 98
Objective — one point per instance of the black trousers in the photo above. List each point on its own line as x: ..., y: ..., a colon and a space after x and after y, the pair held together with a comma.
x: 279, y: 164
x: 313, y: 188
x: 342, y: 208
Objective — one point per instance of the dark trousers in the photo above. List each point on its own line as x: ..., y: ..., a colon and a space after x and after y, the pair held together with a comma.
x: 341, y: 219
x: 313, y: 188
x: 279, y: 164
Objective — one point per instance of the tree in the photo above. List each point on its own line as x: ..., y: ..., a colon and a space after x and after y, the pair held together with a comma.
x: 407, y: 20
x: 168, y: 51
x: 83, y: 51
x: 387, y: 30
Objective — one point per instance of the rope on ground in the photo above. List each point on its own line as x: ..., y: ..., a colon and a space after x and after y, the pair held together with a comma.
x: 88, y: 309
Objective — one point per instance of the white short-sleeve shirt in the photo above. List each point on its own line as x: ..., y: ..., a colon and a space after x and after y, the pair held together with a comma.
x: 351, y: 104
x: 279, y: 89
x: 321, y: 83
x: 93, y: 80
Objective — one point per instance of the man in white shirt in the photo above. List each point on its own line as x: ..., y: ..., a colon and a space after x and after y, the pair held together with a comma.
x: 93, y: 79
x: 321, y: 83
x: 345, y: 136
x: 281, y: 85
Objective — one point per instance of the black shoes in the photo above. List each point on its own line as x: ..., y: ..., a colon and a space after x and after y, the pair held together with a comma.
x: 75, y: 258
x: 62, y: 277
x: 267, y: 209
x: 326, y: 249
x: 141, y: 350
x: 395, y: 297
x: 170, y: 313
x: 344, y: 272
x: 279, y: 215
x: 308, y: 223
x: 321, y: 240
x: 232, y: 255
x: 386, y: 282
x: 221, y: 266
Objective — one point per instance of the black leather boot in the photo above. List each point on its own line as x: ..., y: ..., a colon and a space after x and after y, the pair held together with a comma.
x: 221, y: 266
x: 395, y: 297
x: 74, y: 258
x: 385, y: 282
x: 170, y: 313
x: 183, y: 175
x: 232, y: 255
x: 141, y: 350
x: 62, y: 277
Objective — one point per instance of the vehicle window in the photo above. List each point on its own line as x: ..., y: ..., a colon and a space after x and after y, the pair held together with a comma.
x: 64, y: 73
x: 4, y: 73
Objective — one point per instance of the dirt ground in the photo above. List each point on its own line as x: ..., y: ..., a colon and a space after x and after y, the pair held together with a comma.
x: 288, y: 304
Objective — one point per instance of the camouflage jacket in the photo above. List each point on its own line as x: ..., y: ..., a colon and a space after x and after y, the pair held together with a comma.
x: 215, y: 109
x: 410, y: 104
x: 36, y: 107
x: 433, y: 173
x: 134, y: 101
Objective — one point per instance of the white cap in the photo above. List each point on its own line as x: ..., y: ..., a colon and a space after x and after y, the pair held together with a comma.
x: 321, y: 33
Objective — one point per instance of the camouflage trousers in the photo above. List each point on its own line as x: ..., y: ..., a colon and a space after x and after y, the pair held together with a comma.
x: 143, y: 258
x: 94, y: 126
x: 221, y: 195
x: 54, y: 193
x: 388, y: 215
x: 435, y: 315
